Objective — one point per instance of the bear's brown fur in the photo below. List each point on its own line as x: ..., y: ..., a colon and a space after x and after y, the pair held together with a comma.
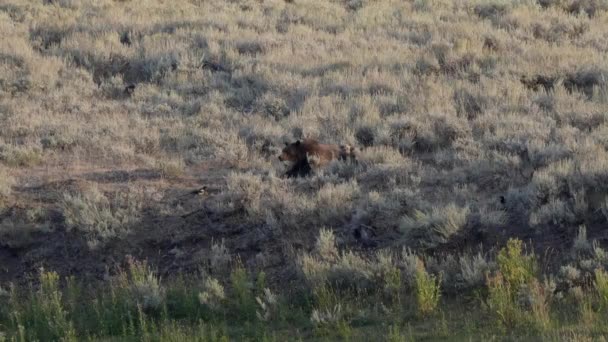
x: 309, y: 154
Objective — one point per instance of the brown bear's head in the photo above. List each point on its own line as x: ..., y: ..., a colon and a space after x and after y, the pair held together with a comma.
x: 293, y: 152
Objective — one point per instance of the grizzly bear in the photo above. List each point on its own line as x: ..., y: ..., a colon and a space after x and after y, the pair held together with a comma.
x: 309, y: 154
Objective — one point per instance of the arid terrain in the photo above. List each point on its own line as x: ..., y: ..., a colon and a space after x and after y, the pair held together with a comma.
x: 139, y: 144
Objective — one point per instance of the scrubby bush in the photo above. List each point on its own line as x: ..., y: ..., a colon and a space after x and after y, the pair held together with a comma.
x: 348, y: 270
x: 435, y: 227
x: 474, y: 269
x: 213, y: 294
x: 171, y: 168
x: 428, y: 291
x: 43, y: 312
x: 516, y: 267
x: 601, y: 286
x: 328, y: 266
x: 242, y: 291
x: 20, y: 156
x: 267, y: 305
x: 143, y: 285
x: 220, y: 258
x: 492, y: 10
x: 515, y: 295
x: 102, y: 217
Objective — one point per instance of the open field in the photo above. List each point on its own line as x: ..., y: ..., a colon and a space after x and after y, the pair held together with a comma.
x: 149, y: 131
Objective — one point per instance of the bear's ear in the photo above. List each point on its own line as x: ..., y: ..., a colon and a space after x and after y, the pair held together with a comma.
x: 298, y: 143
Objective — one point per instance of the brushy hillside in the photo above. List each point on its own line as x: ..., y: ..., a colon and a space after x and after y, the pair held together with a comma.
x: 152, y: 129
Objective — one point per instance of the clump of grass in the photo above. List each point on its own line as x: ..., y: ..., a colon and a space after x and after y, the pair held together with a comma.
x: 41, y: 315
x: 200, y: 332
x: 435, y: 227
x: 144, y: 285
x: 538, y: 303
x: 325, y: 246
x: 6, y: 182
x: 219, y: 260
x: 171, y: 168
x: 516, y: 267
x: 555, y: 213
x: 328, y: 315
x: 601, y: 286
x: 390, y: 275
x: 395, y: 334
x: 474, y: 269
x: 500, y: 300
x: 267, y: 305
x: 243, y: 295
x: 575, y: 7
x: 344, y: 270
x: 428, y: 291
x: 99, y: 216
x: 19, y: 229
x: 515, y: 296
x: 493, y: 10
x: 213, y: 294
x: 20, y: 156
x: 328, y: 320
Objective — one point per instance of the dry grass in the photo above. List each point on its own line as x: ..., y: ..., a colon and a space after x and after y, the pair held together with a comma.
x: 100, y: 216
x: 6, y: 182
x: 476, y: 119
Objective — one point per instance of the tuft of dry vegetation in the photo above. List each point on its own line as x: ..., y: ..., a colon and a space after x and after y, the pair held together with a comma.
x: 6, y: 182
x: 100, y: 216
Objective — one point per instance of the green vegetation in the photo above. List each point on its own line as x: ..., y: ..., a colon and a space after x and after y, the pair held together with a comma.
x: 516, y: 281
x: 136, y: 305
x: 427, y: 291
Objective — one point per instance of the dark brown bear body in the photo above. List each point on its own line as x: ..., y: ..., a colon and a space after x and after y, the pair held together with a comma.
x: 309, y: 154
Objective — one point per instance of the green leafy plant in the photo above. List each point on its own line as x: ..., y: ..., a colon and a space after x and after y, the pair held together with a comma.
x: 515, y: 295
x: 428, y: 291
x: 516, y: 267
x: 41, y: 315
x: 601, y: 287
x: 242, y: 289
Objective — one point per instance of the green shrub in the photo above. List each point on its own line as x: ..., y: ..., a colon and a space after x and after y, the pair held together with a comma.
x: 41, y: 315
x: 267, y: 305
x: 144, y: 285
x: 540, y: 296
x: 394, y: 334
x: 213, y: 294
x: 242, y: 290
x: 331, y: 322
x: 345, y: 270
x: 515, y: 295
x: 388, y: 277
x: 500, y: 300
x: 516, y: 267
x: 601, y: 286
x: 427, y: 291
